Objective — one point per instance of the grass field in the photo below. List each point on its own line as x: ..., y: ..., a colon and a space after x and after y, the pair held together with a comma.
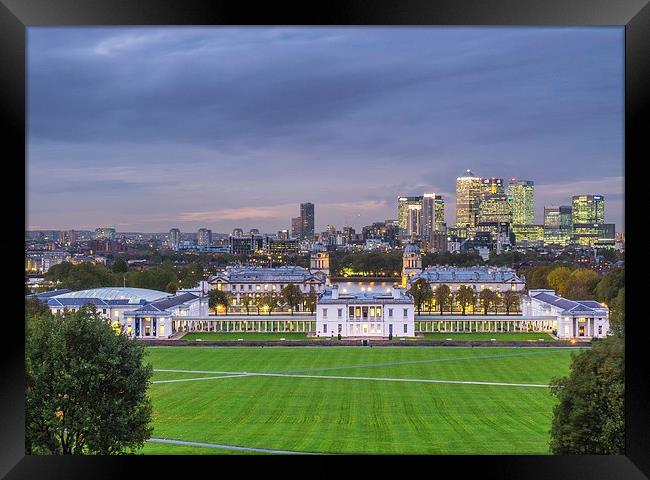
x: 423, y: 400
x: 474, y: 336
x: 234, y: 336
x: 501, y: 337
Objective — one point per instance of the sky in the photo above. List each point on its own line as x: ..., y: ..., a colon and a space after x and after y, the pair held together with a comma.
x: 147, y: 129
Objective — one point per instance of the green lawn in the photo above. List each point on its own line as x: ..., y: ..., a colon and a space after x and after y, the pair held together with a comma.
x: 234, y: 336
x: 486, y: 336
x: 343, y: 415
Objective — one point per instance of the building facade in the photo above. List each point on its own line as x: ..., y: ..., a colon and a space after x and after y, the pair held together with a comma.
x: 365, y: 314
x: 468, y: 192
x: 521, y: 194
x: 307, y: 220
x: 574, y: 319
x: 588, y: 209
x: 204, y: 237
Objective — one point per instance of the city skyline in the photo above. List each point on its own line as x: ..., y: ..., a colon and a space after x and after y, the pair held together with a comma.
x: 321, y: 115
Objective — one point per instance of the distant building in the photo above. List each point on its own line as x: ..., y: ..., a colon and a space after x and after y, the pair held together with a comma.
x: 468, y: 193
x: 174, y: 239
x: 491, y: 186
x: 307, y: 219
x: 588, y: 209
x: 521, y: 194
x: 494, y: 207
x: 204, y: 237
x: 296, y: 227
x: 283, y: 234
x: 528, y: 233
x: 105, y: 233
x: 409, y: 216
x: 237, y: 232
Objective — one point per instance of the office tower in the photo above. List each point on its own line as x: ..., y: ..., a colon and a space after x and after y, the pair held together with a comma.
x: 468, y: 191
x: 237, y: 232
x: 491, y: 186
x: 204, y: 237
x: 409, y: 216
x: 494, y: 207
x: 556, y: 218
x: 439, y: 206
x: 521, y: 195
x: 588, y: 209
x: 307, y: 216
x: 105, y: 233
x: 283, y: 234
x: 174, y: 238
x: 296, y: 227
x: 428, y: 215
x: 72, y: 237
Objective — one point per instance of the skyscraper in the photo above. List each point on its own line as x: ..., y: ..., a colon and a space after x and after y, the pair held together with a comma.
x: 204, y: 237
x: 556, y: 218
x: 588, y: 209
x: 409, y: 216
x: 491, y: 185
x: 307, y: 216
x: 468, y: 191
x: 440, y: 223
x: 494, y: 208
x: 296, y: 227
x: 174, y: 238
x: 521, y: 194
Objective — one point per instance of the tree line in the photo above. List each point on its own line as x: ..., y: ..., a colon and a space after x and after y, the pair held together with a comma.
x: 290, y: 297
x: 442, y: 298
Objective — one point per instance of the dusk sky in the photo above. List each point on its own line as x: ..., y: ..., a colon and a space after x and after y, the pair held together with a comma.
x: 146, y: 129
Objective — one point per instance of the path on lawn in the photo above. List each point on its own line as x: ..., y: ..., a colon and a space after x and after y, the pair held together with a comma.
x: 229, y: 447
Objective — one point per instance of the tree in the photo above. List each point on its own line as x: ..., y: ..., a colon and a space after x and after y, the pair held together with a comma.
x: 510, y: 300
x: 609, y: 286
x: 271, y: 302
x: 171, y: 288
x: 487, y: 297
x: 217, y: 298
x: 465, y: 296
x: 442, y: 295
x: 246, y: 302
x: 34, y: 307
x: 310, y: 301
x: 617, y: 314
x: 590, y: 415
x: 120, y: 265
x: 581, y: 284
x: 292, y: 296
x: 557, y: 279
x: 86, y: 387
x: 421, y: 293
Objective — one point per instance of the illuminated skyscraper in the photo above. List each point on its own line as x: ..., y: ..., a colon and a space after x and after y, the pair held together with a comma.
x: 494, y: 208
x: 521, y: 194
x: 307, y: 216
x: 491, y: 185
x: 556, y: 218
x: 433, y: 214
x: 409, y: 216
x: 468, y: 192
x: 588, y: 209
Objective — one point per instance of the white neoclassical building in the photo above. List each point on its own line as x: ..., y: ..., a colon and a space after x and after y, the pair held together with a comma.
x: 365, y: 313
x: 573, y: 318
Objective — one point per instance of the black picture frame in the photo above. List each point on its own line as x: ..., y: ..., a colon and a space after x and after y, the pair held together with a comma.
x: 18, y: 15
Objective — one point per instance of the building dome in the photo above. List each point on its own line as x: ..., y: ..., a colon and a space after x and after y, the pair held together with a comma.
x: 133, y: 295
x: 411, y: 248
x: 318, y: 247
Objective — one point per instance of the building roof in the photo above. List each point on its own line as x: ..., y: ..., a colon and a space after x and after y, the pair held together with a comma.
x: 411, y: 248
x: 365, y: 297
x: 287, y: 274
x: 468, y: 275
x: 52, y: 293
x: 571, y: 307
x: 131, y: 295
